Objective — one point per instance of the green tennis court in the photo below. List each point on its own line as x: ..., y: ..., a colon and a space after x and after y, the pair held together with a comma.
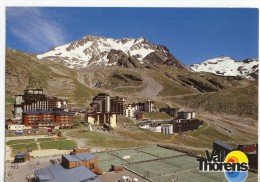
x: 160, y: 164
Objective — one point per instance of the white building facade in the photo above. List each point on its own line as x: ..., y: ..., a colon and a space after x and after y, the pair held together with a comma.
x: 129, y: 111
x: 186, y: 115
x: 167, y: 128
x: 14, y: 127
x: 156, y: 129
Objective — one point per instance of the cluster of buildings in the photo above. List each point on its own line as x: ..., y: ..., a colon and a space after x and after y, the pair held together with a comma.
x: 105, y: 109
x: 135, y: 109
x: 185, y: 121
x: 34, y: 109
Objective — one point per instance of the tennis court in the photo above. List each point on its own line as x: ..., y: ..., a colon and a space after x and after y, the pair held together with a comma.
x: 105, y: 160
x: 161, y: 164
x: 132, y: 155
x: 159, y: 151
x: 164, y: 168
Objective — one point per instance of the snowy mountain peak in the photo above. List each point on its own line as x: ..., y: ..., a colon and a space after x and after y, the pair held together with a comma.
x: 220, y: 59
x: 227, y: 66
x: 91, y: 50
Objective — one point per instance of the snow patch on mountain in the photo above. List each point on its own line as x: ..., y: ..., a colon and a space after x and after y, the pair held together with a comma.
x: 226, y: 66
x: 94, y: 50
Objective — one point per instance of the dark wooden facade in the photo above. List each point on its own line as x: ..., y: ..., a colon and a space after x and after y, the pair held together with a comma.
x: 91, y: 164
x: 183, y: 125
x: 47, y: 118
x: 170, y: 111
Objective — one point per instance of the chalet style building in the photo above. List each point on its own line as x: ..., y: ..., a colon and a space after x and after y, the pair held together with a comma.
x: 42, y: 118
x: 33, y: 100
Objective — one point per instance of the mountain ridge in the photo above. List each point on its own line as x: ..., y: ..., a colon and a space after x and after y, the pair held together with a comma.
x: 227, y: 66
x: 91, y: 50
x: 24, y: 70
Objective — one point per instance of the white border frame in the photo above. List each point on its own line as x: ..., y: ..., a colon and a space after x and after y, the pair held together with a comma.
x: 97, y: 3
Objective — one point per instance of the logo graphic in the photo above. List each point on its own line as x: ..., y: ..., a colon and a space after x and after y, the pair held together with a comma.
x: 234, y: 165
x: 240, y: 158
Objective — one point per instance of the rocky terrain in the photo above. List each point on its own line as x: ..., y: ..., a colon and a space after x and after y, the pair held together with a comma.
x: 94, y: 50
x: 165, y: 84
x: 138, y: 70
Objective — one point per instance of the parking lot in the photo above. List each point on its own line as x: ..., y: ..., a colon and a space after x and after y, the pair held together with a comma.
x: 18, y: 172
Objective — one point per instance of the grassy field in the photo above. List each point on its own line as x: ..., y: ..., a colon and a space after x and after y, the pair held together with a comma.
x: 99, y: 139
x: 128, y: 90
x: 83, y: 93
x: 9, y: 101
x: 26, y: 146
x: 132, y: 136
x: 170, y: 87
x: 45, y: 139
x: 50, y: 139
x: 156, y: 115
x: 233, y: 100
x: 12, y: 142
x: 45, y: 143
x: 202, y: 137
x: 62, y: 144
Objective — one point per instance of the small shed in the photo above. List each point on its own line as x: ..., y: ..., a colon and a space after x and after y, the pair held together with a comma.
x: 21, y: 157
x: 116, y: 167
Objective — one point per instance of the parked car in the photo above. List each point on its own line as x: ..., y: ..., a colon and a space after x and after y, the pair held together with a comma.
x: 19, y: 132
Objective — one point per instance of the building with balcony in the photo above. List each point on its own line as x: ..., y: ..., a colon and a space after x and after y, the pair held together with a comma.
x: 34, y: 99
x: 104, y: 103
x: 167, y: 128
x: 42, y: 118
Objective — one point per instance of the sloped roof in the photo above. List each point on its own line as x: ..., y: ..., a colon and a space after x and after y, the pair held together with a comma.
x: 80, y: 157
x: 71, y: 158
x: 56, y: 173
x: 85, y: 156
x: 226, y: 146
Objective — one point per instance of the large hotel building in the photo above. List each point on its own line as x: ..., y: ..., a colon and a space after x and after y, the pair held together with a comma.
x: 33, y: 100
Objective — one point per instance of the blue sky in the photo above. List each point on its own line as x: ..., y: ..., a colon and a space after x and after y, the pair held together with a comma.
x: 192, y: 35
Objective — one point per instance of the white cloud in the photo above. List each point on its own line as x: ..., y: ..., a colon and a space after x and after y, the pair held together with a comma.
x: 35, y: 28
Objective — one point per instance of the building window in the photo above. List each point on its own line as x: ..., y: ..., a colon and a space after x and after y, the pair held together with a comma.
x: 91, y: 166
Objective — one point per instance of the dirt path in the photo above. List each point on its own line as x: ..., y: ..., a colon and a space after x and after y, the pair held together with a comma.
x: 27, y: 137
x: 152, y: 88
x: 48, y: 152
x: 81, y: 143
x: 8, y: 153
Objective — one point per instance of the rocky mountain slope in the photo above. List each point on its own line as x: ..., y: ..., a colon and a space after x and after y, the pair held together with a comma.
x: 129, y: 77
x: 226, y: 66
x: 94, y: 50
x: 24, y: 71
